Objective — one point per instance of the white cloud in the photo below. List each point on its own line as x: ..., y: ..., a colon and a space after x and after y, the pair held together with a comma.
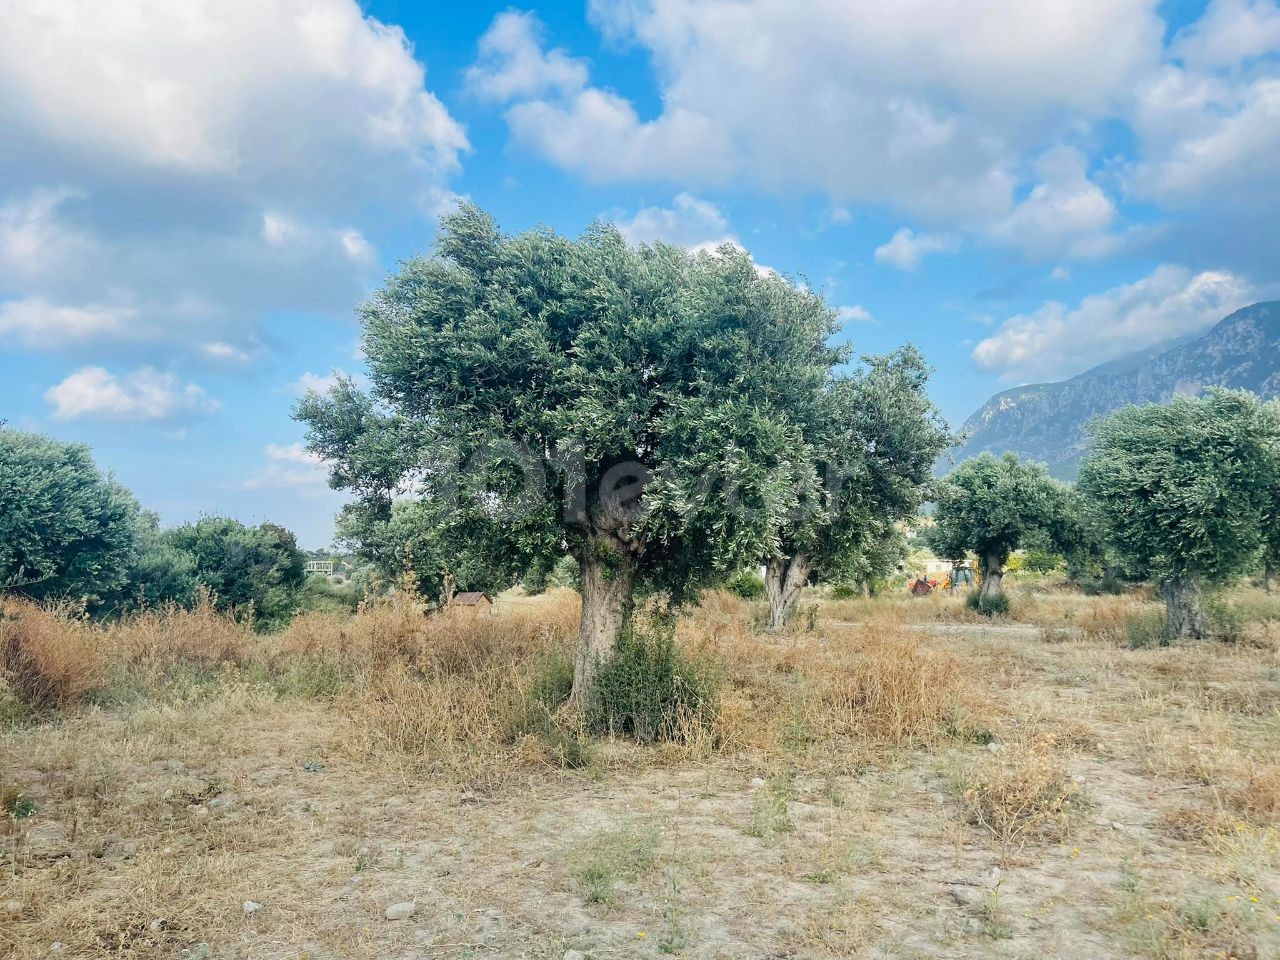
x: 38, y: 324
x: 292, y: 453
x: 1229, y: 33
x: 161, y: 155
x: 1056, y: 341
x: 923, y: 107
x: 32, y: 239
x: 598, y: 134
x: 1065, y: 214
x: 854, y: 313
x: 288, y: 467
x: 688, y: 222
x: 906, y: 248
x: 319, y: 382
x: 512, y: 63
x: 144, y: 394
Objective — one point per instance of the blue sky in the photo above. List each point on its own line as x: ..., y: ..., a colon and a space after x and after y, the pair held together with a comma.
x: 193, y: 198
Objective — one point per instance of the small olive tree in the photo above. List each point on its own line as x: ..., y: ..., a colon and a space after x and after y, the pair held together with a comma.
x: 872, y: 439
x: 637, y: 408
x: 1185, y: 491
x: 993, y: 505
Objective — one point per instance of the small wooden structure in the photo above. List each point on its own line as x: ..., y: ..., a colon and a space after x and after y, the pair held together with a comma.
x: 475, y: 601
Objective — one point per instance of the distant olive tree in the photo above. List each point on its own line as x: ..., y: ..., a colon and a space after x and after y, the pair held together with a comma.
x: 636, y: 408
x: 870, y: 443
x: 67, y: 530
x: 1185, y: 490
x: 992, y: 506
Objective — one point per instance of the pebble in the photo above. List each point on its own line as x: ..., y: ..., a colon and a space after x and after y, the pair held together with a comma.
x: 158, y: 924
x: 57, y: 946
x: 757, y: 782
x: 251, y: 907
x: 402, y: 911
x: 574, y: 955
x: 13, y: 906
x: 224, y: 801
x: 995, y: 746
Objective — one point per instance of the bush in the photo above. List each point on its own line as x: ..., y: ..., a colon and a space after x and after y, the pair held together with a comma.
x: 1022, y: 793
x: 1147, y: 628
x: 996, y: 605
x: 650, y: 690
x: 48, y: 658
x: 746, y: 585
x: 846, y: 591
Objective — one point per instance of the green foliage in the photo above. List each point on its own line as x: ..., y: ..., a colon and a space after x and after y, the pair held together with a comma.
x: 600, y: 864
x: 746, y: 584
x: 1185, y: 488
x: 992, y: 605
x: 769, y: 809
x: 513, y: 377
x: 66, y: 529
x: 871, y: 437
x: 319, y: 595
x: 990, y: 505
x: 242, y: 566
x: 161, y: 572
x: 650, y: 690
x: 1147, y: 628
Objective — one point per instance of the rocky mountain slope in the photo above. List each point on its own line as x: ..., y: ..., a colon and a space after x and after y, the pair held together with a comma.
x: 1046, y: 421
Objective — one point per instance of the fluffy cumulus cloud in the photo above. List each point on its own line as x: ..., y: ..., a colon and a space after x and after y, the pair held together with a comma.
x: 1056, y: 340
x: 688, y: 222
x: 906, y: 248
x: 173, y: 172
x: 922, y: 107
x: 992, y: 123
x: 145, y: 394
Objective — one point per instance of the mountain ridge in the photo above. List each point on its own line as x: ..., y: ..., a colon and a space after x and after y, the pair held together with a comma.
x: 1046, y: 421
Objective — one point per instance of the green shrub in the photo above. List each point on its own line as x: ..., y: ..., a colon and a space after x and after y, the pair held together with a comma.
x: 993, y: 606
x: 846, y: 591
x: 550, y: 683
x: 746, y: 585
x: 650, y: 690
x: 1226, y: 620
x: 1147, y: 628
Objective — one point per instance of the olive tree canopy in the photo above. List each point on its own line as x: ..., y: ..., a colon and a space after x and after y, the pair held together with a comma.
x: 992, y: 506
x: 874, y: 436
x: 66, y: 529
x: 1185, y: 489
x: 634, y: 407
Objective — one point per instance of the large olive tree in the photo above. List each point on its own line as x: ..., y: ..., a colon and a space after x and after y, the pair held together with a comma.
x: 992, y: 506
x: 1185, y: 490
x: 634, y: 407
x: 66, y: 529
x: 873, y: 437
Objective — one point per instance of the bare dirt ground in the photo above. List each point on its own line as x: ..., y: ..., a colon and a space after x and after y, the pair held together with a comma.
x: 233, y: 823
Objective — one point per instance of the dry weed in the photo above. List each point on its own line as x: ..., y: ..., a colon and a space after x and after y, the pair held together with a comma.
x: 49, y: 656
x: 1020, y: 794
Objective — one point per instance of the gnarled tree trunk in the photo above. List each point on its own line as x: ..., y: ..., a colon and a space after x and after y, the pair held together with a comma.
x: 992, y: 576
x: 1184, y: 608
x: 608, y: 581
x: 783, y: 581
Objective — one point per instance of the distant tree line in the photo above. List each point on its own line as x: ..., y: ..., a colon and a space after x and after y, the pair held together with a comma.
x: 70, y: 532
x: 1184, y: 495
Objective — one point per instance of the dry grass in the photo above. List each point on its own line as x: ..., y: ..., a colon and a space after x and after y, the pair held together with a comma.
x: 392, y: 756
x: 48, y: 657
x: 1022, y: 793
